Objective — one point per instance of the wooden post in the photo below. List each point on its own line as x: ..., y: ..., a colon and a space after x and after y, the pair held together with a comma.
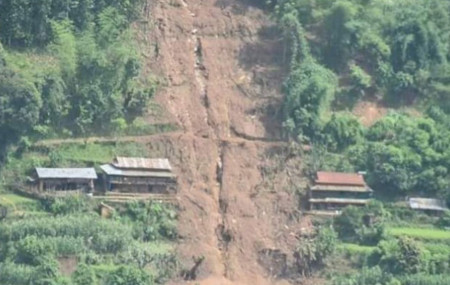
x: 41, y: 186
x: 91, y: 185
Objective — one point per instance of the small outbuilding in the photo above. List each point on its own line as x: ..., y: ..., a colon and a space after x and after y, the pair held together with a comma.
x: 428, y: 205
x: 139, y: 175
x: 66, y: 179
x: 335, y: 190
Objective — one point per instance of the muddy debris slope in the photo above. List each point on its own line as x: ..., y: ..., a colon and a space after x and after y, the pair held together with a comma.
x: 221, y: 66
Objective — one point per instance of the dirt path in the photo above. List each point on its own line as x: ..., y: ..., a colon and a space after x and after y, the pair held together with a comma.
x: 221, y: 64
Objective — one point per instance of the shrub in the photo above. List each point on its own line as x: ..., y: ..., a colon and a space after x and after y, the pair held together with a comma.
x: 47, y: 272
x: 83, y: 275
x: 352, y: 227
x: 444, y: 220
x: 399, y: 256
x: 15, y: 274
x: 86, y: 226
x: 424, y: 279
x: 152, y: 220
x: 311, y: 251
x: 359, y: 78
x: 367, y: 276
x: 128, y: 275
x: 31, y: 249
x: 70, y: 205
x: 342, y: 131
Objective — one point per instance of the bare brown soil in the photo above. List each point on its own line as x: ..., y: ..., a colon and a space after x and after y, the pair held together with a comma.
x: 369, y: 112
x: 220, y: 62
x: 67, y: 265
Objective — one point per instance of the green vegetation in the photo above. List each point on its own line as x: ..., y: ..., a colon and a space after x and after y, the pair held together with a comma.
x: 382, y: 252
x: 355, y: 248
x: 69, y: 68
x: 16, y: 171
x: 366, y: 226
x: 134, y: 246
x: 367, y: 276
x: 421, y: 233
x: 312, y: 251
x: 95, y: 153
x: 396, y: 52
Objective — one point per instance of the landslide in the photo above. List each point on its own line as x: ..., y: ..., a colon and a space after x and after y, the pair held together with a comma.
x: 221, y: 67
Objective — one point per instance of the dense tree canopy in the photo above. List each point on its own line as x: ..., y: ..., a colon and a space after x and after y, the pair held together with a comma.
x: 29, y: 22
x: 77, y: 70
x: 395, y: 51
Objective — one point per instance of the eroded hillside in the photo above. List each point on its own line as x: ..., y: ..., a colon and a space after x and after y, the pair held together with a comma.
x: 221, y: 63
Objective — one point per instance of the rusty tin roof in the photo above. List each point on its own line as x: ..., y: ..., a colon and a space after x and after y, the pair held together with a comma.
x: 340, y: 178
x: 142, y: 163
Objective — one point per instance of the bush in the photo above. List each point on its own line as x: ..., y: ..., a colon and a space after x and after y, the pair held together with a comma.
x: 86, y: 226
x: 152, y: 220
x: 367, y: 276
x: 30, y: 250
x: 424, y: 279
x: 84, y: 275
x: 312, y: 251
x: 365, y: 225
x: 444, y: 220
x: 127, y: 275
x: 343, y: 130
x: 399, y: 256
x: 70, y: 205
x: 360, y: 79
x: 15, y: 274
x: 47, y: 273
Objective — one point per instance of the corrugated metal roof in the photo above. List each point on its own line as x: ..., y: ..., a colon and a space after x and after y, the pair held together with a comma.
x: 340, y: 201
x: 113, y: 171
x: 142, y: 163
x: 339, y: 178
x: 70, y: 173
x: 340, y: 188
x: 427, y: 204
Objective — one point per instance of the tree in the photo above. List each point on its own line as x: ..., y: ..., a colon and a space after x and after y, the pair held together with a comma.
x: 309, y: 91
x: 343, y: 130
x: 20, y: 103
x: 399, y: 256
x: 337, y: 32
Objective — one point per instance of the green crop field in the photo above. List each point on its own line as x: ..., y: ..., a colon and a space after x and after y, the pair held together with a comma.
x: 421, y: 233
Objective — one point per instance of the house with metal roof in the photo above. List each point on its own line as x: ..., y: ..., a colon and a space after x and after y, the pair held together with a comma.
x: 65, y: 179
x: 333, y: 191
x: 427, y: 205
x: 138, y: 175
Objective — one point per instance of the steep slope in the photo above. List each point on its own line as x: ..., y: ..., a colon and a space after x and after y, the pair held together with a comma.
x: 221, y: 64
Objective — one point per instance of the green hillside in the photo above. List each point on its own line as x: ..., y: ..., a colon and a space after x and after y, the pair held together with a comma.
x: 395, y: 52
x: 68, y: 68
